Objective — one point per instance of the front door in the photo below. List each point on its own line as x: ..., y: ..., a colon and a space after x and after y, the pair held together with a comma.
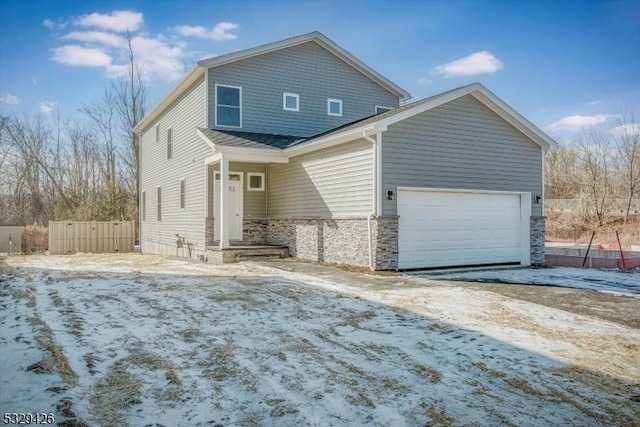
x: 235, y: 206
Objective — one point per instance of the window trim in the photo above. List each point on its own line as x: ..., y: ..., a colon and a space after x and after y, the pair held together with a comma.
x: 157, y: 127
x: 169, y: 142
x: 331, y: 100
x: 375, y: 110
x: 232, y: 106
x: 144, y: 206
x: 262, y: 183
x: 284, y: 101
x: 159, y: 203
x: 183, y: 193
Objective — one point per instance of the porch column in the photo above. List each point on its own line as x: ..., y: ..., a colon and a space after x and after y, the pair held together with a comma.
x: 223, y: 214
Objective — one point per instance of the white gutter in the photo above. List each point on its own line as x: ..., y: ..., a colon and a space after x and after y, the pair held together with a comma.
x: 374, y: 199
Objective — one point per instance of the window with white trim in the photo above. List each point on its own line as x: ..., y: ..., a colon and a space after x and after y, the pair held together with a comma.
x: 183, y: 193
x: 334, y: 107
x: 159, y: 204
x: 290, y: 101
x: 255, y: 181
x: 228, y: 106
x: 380, y: 109
x: 169, y: 143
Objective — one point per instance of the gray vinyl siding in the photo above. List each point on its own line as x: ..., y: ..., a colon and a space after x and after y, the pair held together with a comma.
x: 254, y: 202
x: 308, y: 70
x: 462, y: 145
x: 334, y: 182
x: 187, y: 162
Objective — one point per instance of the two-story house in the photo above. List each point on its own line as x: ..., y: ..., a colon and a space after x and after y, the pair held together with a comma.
x: 297, y: 143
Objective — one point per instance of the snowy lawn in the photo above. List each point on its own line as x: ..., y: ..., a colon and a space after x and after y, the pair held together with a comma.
x: 139, y: 340
x: 580, y: 278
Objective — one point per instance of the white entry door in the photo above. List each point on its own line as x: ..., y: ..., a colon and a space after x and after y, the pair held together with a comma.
x: 235, y: 207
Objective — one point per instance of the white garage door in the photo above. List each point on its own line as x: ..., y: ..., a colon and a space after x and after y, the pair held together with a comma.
x: 442, y: 229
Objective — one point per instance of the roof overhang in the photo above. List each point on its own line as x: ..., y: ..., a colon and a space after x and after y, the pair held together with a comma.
x: 192, y: 76
x: 478, y: 91
x: 323, y: 41
x: 242, y: 154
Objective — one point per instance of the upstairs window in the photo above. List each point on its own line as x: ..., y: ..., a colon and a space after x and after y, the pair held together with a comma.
x: 334, y: 107
x: 290, y: 101
x: 157, y: 133
x: 228, y: 106
x: 381, y: 109
x: 169, y: 143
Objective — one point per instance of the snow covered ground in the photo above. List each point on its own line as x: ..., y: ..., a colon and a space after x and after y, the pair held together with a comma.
x: 599, y: 280
x: 138, y: 340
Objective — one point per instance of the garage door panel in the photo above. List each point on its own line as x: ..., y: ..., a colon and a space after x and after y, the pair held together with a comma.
x: 458, y: 228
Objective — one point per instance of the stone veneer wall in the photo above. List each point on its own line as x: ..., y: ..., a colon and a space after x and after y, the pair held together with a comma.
x: 537, y: 232
x: 254, y: 231
x: 341, y: 241
x: 208, y: 232
x: 385, y: 242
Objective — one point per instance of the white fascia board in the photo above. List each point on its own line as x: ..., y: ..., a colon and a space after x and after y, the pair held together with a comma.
x: 253, y: 155
x: 178, y: 89
x: 205, y: 139
x: 514, y: 118
x: 332, y: 140
x: 214, y: 158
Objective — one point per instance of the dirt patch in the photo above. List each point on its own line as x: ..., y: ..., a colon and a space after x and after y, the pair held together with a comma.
x: 613, y: 308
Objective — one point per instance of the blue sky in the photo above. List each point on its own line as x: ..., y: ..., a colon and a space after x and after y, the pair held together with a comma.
x: 562, y: 64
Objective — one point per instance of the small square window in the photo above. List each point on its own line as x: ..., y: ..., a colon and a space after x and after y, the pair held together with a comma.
x: 334, y: 107
x: 255, y: 181
x: 380, y: 109
x: 290, y: 101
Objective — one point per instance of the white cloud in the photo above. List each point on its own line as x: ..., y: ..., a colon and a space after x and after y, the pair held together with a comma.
x: 100, y: 37
x: 592, y: 103
x: 118, y: 20
x: 10, y: 99
x: 626, y: 129
x: 220, y: 32
x: 46, y: 107
x: 573, y: 123
x: 54, y: 25
x: 81, y: 56
x: 476, y: 63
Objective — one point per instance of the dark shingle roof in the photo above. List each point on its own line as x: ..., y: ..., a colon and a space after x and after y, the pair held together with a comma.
x: 249, y: 139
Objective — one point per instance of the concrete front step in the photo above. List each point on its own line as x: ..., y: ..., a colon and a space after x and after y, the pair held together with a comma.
x: 245, y: 253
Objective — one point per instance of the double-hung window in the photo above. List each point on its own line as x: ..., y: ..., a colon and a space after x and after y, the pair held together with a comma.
x: 228, y: 106
x: 169, y: 143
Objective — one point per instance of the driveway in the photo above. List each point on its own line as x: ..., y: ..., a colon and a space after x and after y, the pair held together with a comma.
x: 145, y: 340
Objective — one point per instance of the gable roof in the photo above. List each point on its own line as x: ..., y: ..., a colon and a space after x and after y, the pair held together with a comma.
x: 198, y: 70
x: 380, y: 122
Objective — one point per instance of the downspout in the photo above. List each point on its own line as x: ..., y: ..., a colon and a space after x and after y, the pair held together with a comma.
x: 374, y: 199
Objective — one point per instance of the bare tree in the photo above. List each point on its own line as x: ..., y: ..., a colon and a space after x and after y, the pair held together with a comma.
x: 595, y: 154
x: 562, y: 173
x: 628, y: 144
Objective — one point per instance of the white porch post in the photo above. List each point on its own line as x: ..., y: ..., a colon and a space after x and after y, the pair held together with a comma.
x: 224, y: 202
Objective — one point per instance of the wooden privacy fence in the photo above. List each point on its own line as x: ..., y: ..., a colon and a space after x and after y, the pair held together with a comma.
x: 96, y: 237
